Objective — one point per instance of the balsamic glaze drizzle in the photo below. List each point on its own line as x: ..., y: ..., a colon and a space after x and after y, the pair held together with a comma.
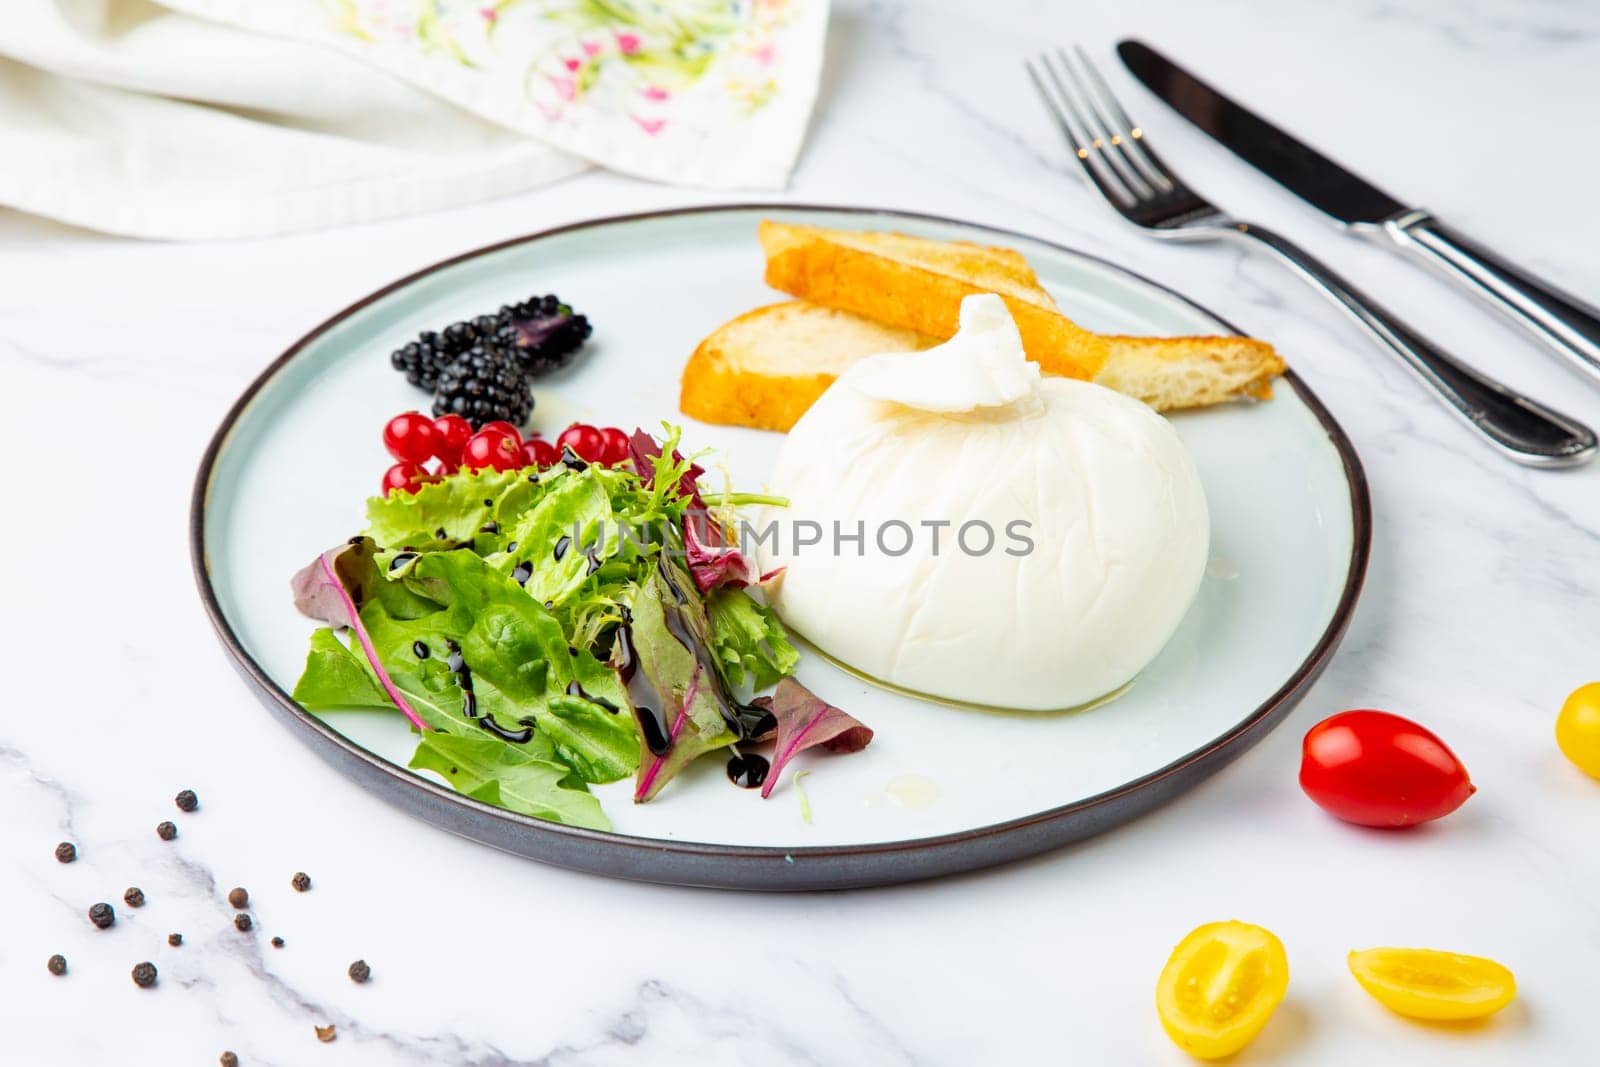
x: 516, y: 737
x: 458, y: 667
x: 648, y: 705
x: 574, y: 689
x: 748, y: 770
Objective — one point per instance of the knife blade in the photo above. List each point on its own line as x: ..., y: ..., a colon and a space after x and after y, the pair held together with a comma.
x: 1564, y: 323
x: 1290, y: 162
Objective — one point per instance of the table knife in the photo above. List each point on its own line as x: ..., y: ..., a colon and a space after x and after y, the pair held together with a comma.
x: 1564, y: 323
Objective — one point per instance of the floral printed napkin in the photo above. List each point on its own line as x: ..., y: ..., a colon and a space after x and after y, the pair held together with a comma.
x: 713, y: 93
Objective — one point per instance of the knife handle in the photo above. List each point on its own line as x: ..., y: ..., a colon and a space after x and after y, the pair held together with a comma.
x: 1560, y: 320
x: 1521, y: 428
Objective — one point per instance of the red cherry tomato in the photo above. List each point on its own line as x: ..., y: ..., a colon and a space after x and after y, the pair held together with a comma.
x: 1377, y: 769
x: 410, y: 437
x: 539, y: 453
x: 504, y: 427
x: 453, y: 432
x: 583, y: 439
x: 407, y: 477
x: 614, y: 446
x: 492, y: 448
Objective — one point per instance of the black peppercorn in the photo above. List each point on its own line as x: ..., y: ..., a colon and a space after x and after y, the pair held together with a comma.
x: 228, y: 1059
x: 134, y: 897
x: 144, y: 974
x: 174, y: 940
x: 242, y: 921
x: 66, y: 852
x: 325, y: 1033
x: 102, y: 915
x: 57, y: 965
x: 166, y: 831
x: 359, y: 971
x: 239, y: 896
x: 277, y: 942
x: 301, y: 881
x: 186, y: 800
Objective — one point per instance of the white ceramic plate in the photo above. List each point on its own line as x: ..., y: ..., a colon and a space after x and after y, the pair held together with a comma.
x: 940, y: 788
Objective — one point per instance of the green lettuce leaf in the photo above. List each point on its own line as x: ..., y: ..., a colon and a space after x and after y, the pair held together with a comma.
x: 336, y: 677
x: 521, y: 664
x: 544, y: 536
x: 489, y: 770
x: 459, y: 506
x: 750, y: 642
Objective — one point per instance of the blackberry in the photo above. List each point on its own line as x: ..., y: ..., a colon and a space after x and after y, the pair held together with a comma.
x: 422, y: 360
x: 544, y: 333
x: 483, y: 384
x: 541, y: 332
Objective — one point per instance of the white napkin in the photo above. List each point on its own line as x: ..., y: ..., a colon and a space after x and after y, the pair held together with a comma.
x: 141, y: 118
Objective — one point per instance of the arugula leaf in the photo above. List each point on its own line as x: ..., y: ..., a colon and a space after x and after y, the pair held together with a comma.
x: 489, y: 770
x: 336, y: 677
x: 749, y: 640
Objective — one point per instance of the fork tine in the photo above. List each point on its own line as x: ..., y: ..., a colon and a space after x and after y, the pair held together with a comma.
x: 1131, y: 135
x: 1107, y: 137
x: 1061, y: 106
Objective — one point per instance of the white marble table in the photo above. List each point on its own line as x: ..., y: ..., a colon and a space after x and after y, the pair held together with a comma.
x: 1481, y: 611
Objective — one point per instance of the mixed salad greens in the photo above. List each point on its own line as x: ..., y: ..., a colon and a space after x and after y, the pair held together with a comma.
x: 548, y: 629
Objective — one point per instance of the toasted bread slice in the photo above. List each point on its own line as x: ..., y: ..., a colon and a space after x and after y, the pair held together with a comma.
x: 917, y: 284
x: 1170, y: 373
x: 766, y: 367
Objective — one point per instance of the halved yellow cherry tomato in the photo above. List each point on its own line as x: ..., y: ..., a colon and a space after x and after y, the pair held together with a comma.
x: 1426, y: 984
x: 1578, y: 728
x: 1220, y: 987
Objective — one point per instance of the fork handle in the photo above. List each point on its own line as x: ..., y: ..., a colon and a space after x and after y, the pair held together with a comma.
x: 1563, y: 322
x: 1522, y: 428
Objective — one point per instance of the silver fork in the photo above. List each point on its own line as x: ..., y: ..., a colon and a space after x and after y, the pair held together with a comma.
x: 1116, y: 155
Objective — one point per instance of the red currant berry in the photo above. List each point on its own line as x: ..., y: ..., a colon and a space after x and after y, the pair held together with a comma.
x: 453, y: 432
x: 583, y: 439
x: 504, y: 427
x: 614, y: 449
x: 539, y: 453
x: 406, y: 477
x: 410, y: 437
x: 495, y: 449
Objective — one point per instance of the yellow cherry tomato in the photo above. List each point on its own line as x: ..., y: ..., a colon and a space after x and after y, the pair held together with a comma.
x: 1578, y: 728
x: 1425, y: 984
x: 1220, y: 987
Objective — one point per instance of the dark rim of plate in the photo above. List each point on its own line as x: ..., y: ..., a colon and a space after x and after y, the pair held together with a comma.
x: 798, y: 867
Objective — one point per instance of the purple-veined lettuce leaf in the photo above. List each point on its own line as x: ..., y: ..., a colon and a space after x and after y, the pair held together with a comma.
x: 669, y: 673
x: 804, y: 721
x: 645, y: 452
x: 714, y: 565
x: 331, y: 589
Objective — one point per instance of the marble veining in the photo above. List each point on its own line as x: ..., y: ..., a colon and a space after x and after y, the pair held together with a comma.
x: 1480, y: 614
